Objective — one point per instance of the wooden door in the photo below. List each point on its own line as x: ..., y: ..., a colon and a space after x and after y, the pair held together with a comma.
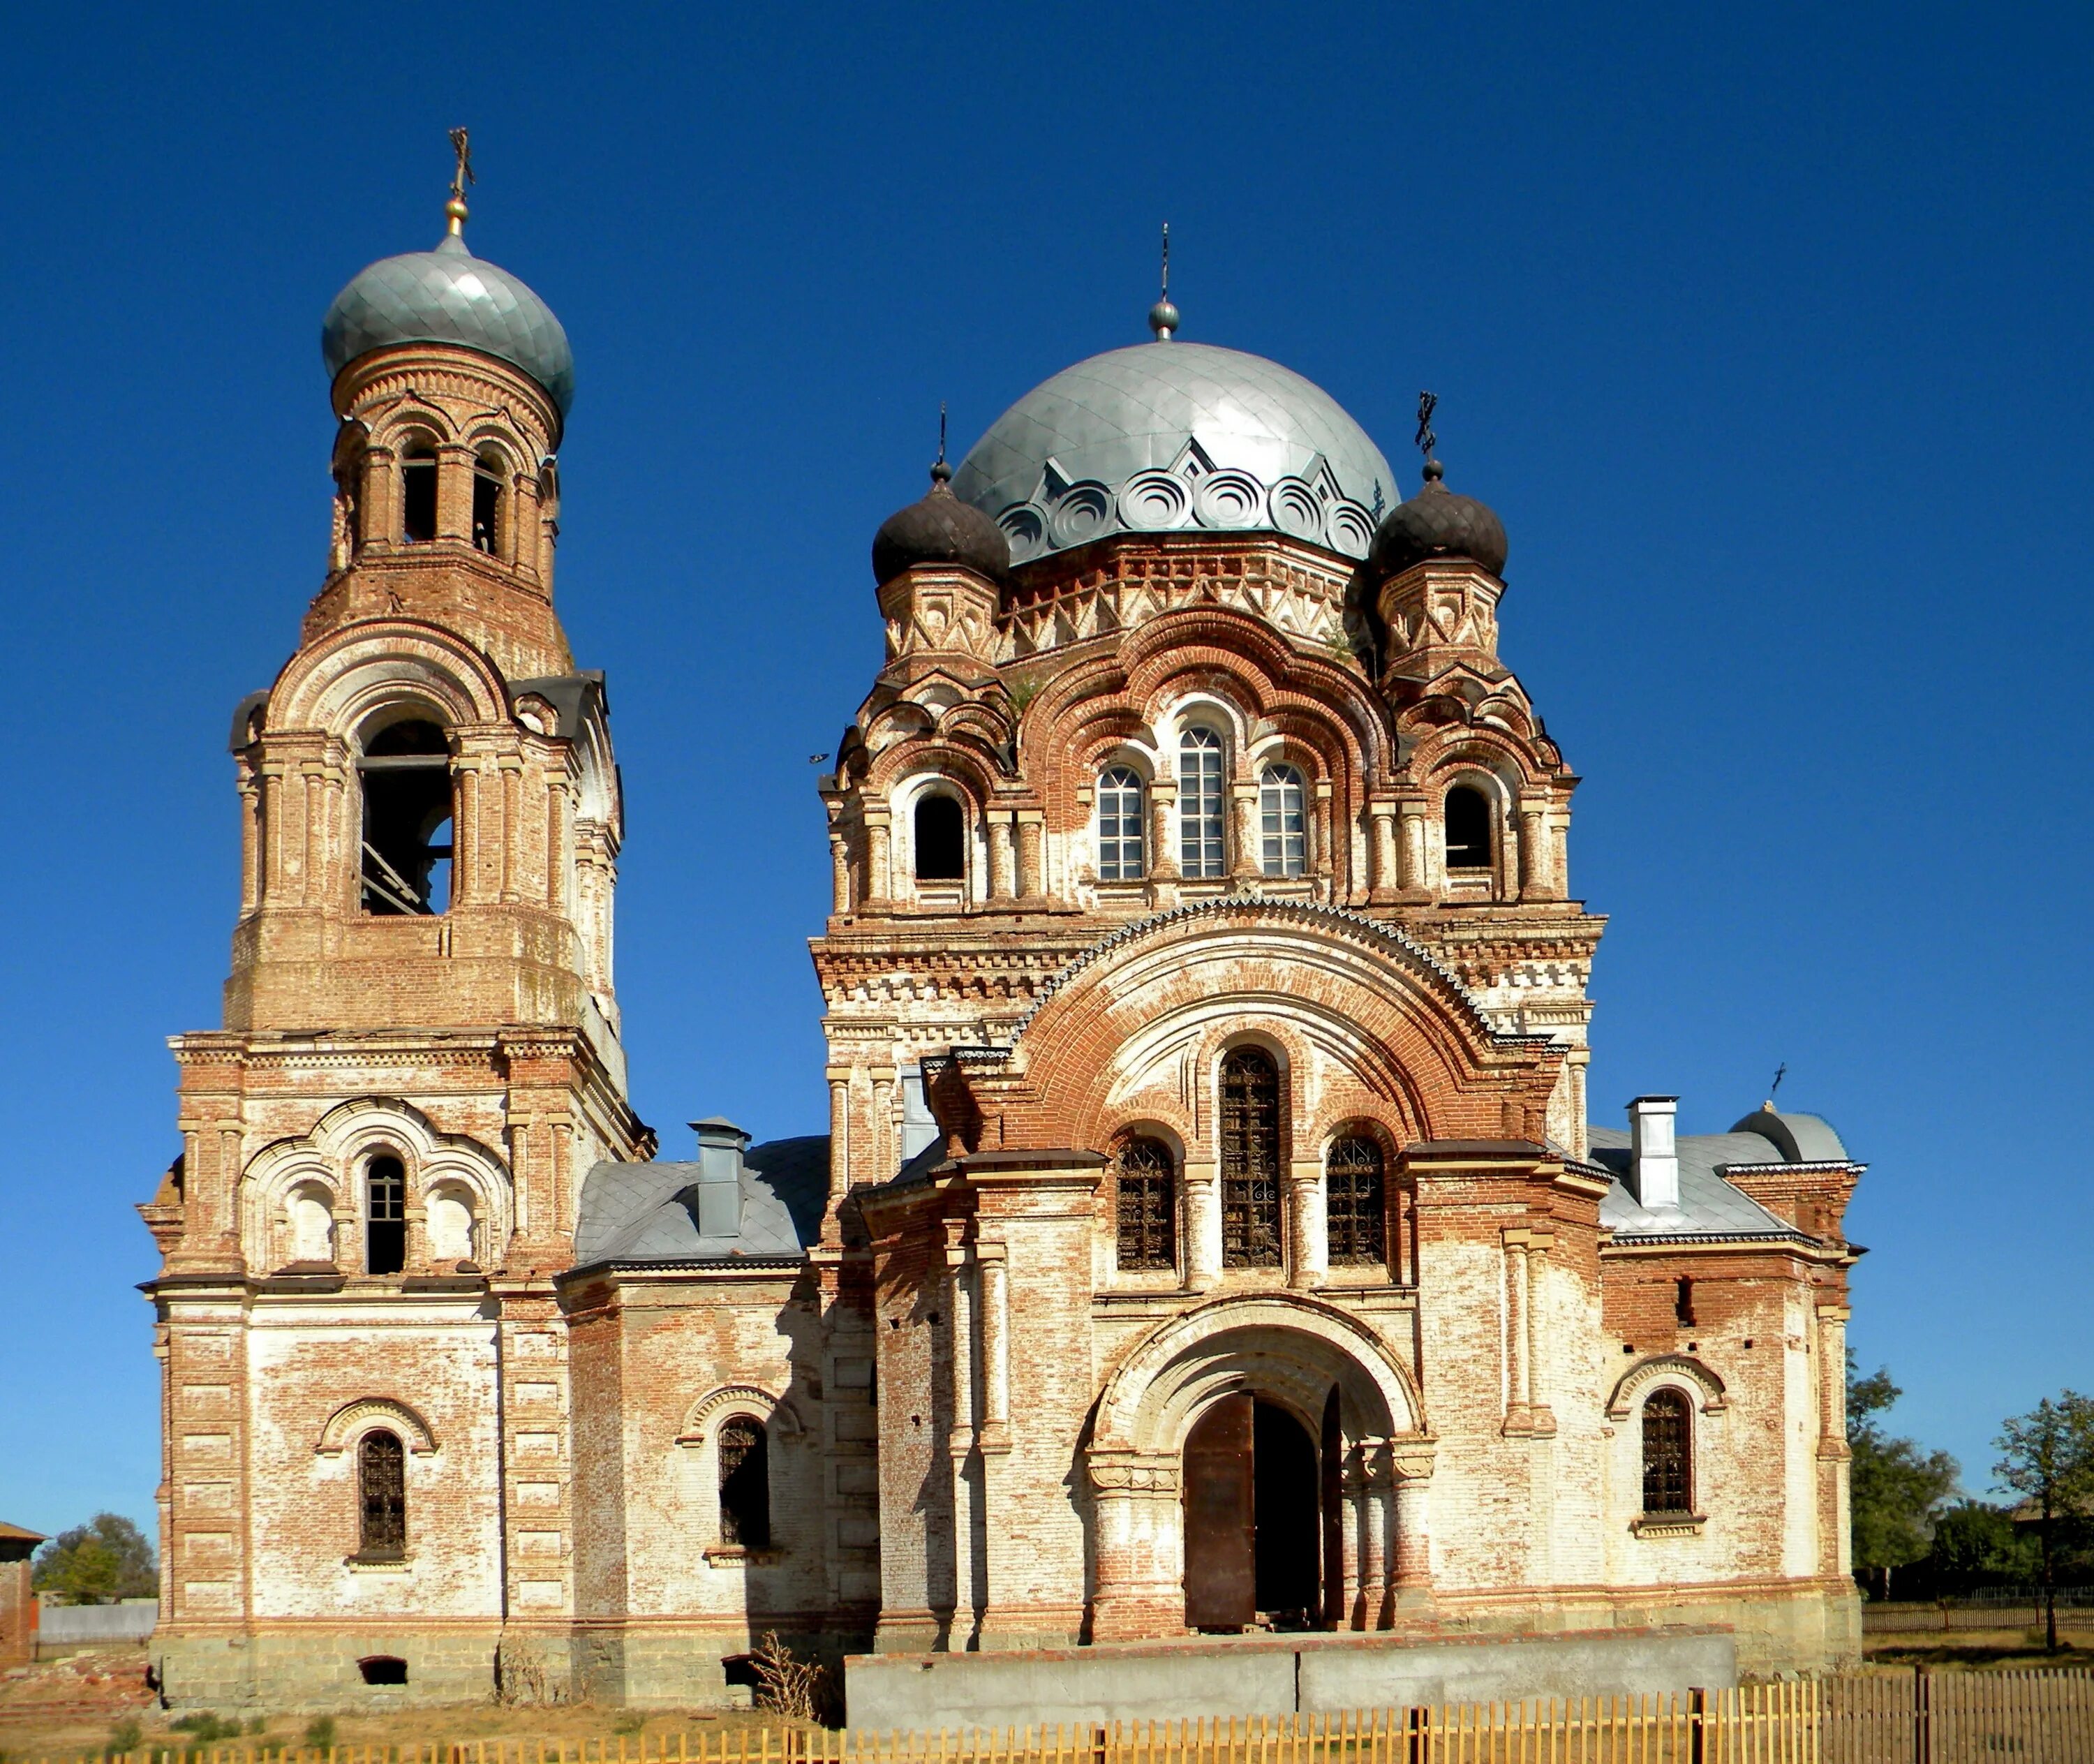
x: 1221, y: 1563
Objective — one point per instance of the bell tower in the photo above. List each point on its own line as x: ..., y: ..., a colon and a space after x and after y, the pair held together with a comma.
x: 383, y: 1145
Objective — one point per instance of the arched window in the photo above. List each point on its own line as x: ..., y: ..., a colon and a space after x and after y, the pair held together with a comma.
x: 488, y: 476
x: 405, y: 772
x: 1468, y: 829
x: 1250, y: 1160
x: 381, y: 1492
x: 417, y: 493
x: 1202, y: 848
x: 1668, y: 1453
x: 745, y: 1483
x: 941, y: 844
x: 1282, y: 822
x: 1358, y: 1226
x: 1145, y: 1205
x: 384, y: 1216
x: 1121, y: 838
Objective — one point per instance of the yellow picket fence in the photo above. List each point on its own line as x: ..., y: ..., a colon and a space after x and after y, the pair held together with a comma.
x: 1923, y: 1718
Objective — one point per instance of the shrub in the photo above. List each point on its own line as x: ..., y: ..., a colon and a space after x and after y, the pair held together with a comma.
x: 320, y: 1733
x: 122, y: 1738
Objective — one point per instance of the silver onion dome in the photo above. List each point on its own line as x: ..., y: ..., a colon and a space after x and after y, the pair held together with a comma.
x: 1169, y: 435
x: 449, y: 295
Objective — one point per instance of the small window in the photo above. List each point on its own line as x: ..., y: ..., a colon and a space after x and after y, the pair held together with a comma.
x: 1668, y: 1480
x: 385, y: 1216
x: 1282, y: 822
x: 405, y: 772
x: 383, y: 1669
x: 1468, y: 829
x: 745, y: 1483
x: 381, y: 1482
x: 418, y: 494
x: 940, y: 839
x: 487, y: 476
x: 1682, y: 1301
x: 1250, y: 1160
x: 1121, y: 837
x: 1202, y: 850
x: 1145, y: 1205
x: 1353, y: 1200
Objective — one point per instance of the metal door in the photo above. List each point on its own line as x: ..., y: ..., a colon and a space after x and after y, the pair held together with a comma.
x: 1221, y: 1577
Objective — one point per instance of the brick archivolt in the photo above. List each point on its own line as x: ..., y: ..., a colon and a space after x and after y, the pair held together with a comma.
x: 367, y: 1414
x: 727, y: 1400
x: 327, y: 1165
x: 1677, y: 1372
x: 334, y: 685
x: 1285, y: 1346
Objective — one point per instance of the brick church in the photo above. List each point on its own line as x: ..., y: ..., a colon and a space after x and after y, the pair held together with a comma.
x: 1210, y: 1232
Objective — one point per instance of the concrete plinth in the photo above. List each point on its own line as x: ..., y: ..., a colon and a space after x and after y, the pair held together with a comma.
x: 1272, y: 1675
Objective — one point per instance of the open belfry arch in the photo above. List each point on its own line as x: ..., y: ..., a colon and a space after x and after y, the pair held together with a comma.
x: 1209, y: 1230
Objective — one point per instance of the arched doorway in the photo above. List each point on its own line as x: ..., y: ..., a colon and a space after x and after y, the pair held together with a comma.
x: 1254, y: 1525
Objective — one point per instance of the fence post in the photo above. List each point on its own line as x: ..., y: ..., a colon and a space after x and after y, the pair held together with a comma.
x: 1922, y: 1717
x: 1697, y: 1714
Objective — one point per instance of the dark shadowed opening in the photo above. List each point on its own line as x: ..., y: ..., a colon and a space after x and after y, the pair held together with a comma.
x: 940, y: 840
x: 383, y: 1669
x: 1285, y: 1505
x: 418, y: 497
x: 1468, y: 829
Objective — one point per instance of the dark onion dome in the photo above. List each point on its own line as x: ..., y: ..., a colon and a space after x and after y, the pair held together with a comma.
x: 449, y: 295
x: 939, y: 529
x: 1437, y: 523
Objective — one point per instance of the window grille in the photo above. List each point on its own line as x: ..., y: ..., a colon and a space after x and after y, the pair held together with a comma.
x: 1283, y: 823
x: 1120, y: 826
x: 381, y: 1468
x: 1668, y: 1480
x: 745, y: 1483
x: 1145, y: 1205
x: 385, y: 1217
x: 1202, y: 848
x: 1352, y: 1202
x: 1250, y: 1160
x: 1468, y: 829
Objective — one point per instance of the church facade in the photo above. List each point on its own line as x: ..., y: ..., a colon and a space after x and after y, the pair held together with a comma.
x: 1210, y: 1232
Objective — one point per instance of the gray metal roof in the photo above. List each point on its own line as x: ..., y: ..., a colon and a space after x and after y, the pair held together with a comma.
x: 449, y: 295
x: 1171, y: 434
x: 1708, y: 1204
x: 649, y: 1212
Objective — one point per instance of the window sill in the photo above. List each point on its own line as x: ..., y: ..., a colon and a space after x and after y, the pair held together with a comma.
x: 725, y: 1555
x: 1669, y: 1524
x: 379, y: 1564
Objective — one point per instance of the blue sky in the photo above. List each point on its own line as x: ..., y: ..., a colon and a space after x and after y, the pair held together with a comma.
x: 1765, y: 331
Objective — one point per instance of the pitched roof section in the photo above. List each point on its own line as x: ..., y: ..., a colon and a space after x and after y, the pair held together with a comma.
x: 649, y: 1212
x: 1709, y: 1205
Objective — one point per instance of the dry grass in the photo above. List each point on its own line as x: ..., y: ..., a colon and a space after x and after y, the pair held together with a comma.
x: 1977, y: 1650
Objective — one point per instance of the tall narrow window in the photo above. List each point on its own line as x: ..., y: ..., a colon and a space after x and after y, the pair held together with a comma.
x: 1121, y: 838
x: 1683, y: 1300
x: 1353, y: 1187
x: 384, y: 1216
x: 486, y: 503
x: 381, y: 1490
x: 1250, y: 1160
x: 1145, y: 1205
x: 745, y: 1487
x: 418, y: 494
x: 1282, y: 822
x: 1202, y: 850
x: 406, y: 771
x: 940, y: 839
x: 1668, y: 1469
x: 1468, y: 829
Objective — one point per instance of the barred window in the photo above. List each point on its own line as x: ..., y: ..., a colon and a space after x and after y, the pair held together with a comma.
x: 381, y: 1480
x: 1202, y: 848
x: 745, y: 1485
x: 1145, y: 1205
x: 1282, y: 822
x: 1250, y: 1160
x: 1668, y: 1468
x: 1121, y: 857
x: 385, y: 1216
x: 1468, y: 829
x: 1352, y: 1200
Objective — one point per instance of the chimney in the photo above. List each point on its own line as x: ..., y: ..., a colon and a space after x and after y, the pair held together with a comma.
x: 720, y: 1146
x: 1654, y: 1158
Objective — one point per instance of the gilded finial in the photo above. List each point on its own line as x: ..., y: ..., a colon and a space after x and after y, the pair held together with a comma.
x: 941, y: 472
x: 455, y: 210
x: 1163, y: 316
x: 1428, y: 403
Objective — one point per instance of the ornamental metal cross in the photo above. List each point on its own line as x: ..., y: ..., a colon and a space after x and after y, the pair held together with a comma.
x: 1428, y: 402
x: 461, y: 145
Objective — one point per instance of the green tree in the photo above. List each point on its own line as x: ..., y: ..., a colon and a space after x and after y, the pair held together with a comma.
x: 1894, y: 1487
x: 107, y: 1559
x: 1973, y: 1541
x: 2048, y: 1456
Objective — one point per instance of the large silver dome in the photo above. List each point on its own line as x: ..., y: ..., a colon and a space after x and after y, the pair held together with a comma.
x: 449, y: 295
x: 1170, y: 435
